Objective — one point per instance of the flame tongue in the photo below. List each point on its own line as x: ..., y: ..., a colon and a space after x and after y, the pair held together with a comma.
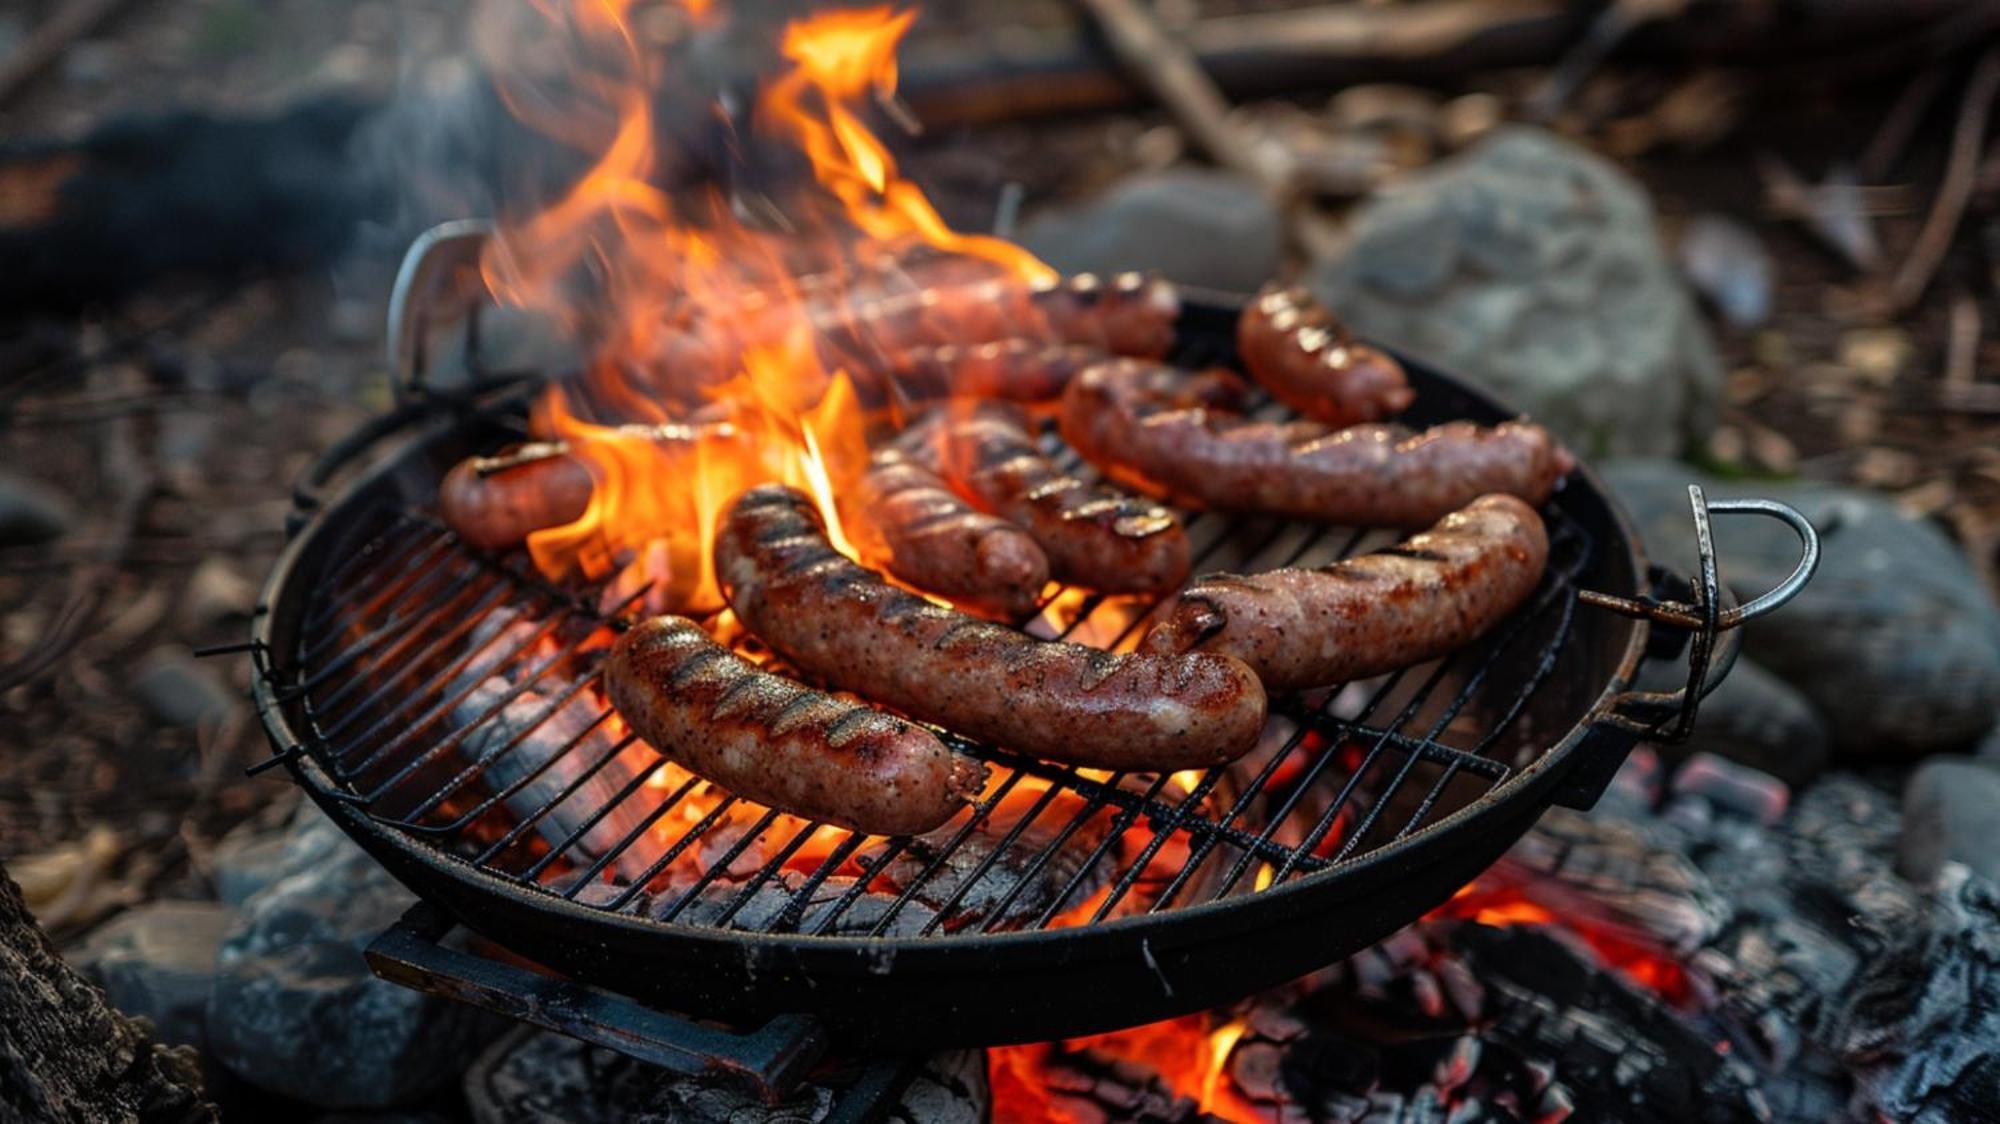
x: 698, y: 316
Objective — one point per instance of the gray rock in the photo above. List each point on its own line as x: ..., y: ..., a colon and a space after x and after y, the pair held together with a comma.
x: 1754, y: 718
x: 1211, y: 229
x: 537, y: 1077
x: 1896, y: 642
x: 1727, y: 263
x: 1989, y: 750
x: 180, y: 691
x: 159, y: 961
x: 1534, y: 268
x: 295, y: 1009
x: 1951, y: 813
x: 250, y: 858
x: 30, y: 511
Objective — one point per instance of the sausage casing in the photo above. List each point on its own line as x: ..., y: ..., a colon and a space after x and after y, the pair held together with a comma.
x: 497, y: 502
x: 842, y: 623
x: 924, y: 533
x: 1299, y: 352
x: 1017, y: 369
x: 1171, y: 434
x: 1432, y: 594
x: 1095, y: 536
x: 779, y: 742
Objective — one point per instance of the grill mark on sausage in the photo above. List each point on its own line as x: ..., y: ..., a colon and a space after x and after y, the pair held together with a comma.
x: 1173, y: 434
x: 1369, y: 615
x: 773, y: 740
x: 1308, y: 360
x: 986, y: 681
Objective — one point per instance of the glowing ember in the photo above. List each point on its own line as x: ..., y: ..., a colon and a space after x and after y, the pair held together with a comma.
x: 1189, y: 1055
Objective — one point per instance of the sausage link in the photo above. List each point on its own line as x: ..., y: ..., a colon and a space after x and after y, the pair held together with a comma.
x: 1432, y: 594
x: 922, y: 532
x: 1305, y: 357
x: 1170, y: 434
x: 1018, y: 369
x: 497, y: 502
x: 779, y: 742
x: 1094, y: 535
x: 842, y: 623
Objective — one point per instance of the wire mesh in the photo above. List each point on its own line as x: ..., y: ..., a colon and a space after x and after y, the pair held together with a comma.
x: 453, y: 694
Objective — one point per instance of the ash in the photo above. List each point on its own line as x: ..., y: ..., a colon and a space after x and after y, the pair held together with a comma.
x: 1691, y: 962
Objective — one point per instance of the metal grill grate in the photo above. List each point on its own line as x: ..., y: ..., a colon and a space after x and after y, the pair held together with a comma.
x: 452, y: 696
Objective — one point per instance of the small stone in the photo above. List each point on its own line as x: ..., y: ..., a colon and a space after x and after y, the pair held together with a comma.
x: 1751, y: 793
x: 248, y: 859
x: 30, y: 511
x: 158, y: 960
x: 1533, y: 267
x: 1896, y: 642
x: 1877, y: 354
x: 215, y: 593
x: 1951, y: 813
x: 1210, y: 229
x: 296, y: 1010
x: 180, y: 691
x: 1727, y: 263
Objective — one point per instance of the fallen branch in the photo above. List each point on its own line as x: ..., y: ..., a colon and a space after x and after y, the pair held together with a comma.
x: 1941, y: 225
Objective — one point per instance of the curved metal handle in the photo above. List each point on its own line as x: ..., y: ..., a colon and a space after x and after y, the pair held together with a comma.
x: 438, y: 282
x: 1706, y: 615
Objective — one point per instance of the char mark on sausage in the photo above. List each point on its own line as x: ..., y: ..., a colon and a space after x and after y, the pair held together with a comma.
x: 1094, y: 535
x: 842, y: 623
x: 1303, y: 355
x: 1181, y: 437
x: 917, y: 528
x: 1421, y: 599
x: 779, y: 742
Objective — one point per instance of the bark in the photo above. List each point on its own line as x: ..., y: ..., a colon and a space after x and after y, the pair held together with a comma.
x: 65, y: 1055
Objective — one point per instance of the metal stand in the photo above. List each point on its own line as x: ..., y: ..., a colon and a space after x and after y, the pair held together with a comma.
x: 772, y: 1059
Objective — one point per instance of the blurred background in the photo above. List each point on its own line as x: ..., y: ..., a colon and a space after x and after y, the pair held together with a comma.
x: 1748, y: 242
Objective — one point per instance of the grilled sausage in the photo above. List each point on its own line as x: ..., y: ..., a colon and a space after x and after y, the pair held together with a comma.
x: 842, y: 623
x: 1171, y: 434
x: 779, y: 742
x: 1095, y: 536
x: 1019, y: 369
x: 497, y: 502
x: 1364, y: 616
x: 1299, y: 352
x: 919, y: 530
x: 868, y: 329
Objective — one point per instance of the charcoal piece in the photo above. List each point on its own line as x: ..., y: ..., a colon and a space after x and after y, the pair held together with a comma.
x: 550, y: 728
x: 981, y: 894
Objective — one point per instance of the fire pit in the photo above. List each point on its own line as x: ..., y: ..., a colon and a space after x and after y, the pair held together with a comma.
x: 429, y: 697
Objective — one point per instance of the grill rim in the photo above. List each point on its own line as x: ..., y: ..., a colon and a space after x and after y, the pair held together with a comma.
x: 482, y: 901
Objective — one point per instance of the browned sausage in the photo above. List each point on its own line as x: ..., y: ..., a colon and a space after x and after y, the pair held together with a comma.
x: 842, y: 623
x: 868, y: 329
x: 1420, y: 599
x: 497, y: 502
x: 908, y: 521
x: 1292, y: 345
x: 1019, y: 370
x: 779, y: 742
x: 1094, y: 535
x: 1175, y: 435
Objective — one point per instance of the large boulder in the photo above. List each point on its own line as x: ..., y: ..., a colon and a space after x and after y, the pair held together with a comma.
x: 1896, y: 642
x: 1951, y: 813
x: 295, y: 1009
x: 1533, y: 267
x: 1212, y: 229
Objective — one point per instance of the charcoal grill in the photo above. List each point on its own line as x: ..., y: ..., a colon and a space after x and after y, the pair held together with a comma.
x: 1368, y: 805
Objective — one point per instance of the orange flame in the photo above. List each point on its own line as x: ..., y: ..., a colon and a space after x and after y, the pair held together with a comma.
x: 1190, y: 1058
x: 695, y: 315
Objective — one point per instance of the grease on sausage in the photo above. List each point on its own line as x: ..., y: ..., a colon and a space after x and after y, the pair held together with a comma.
x: 842, y: 623
x: 779, y: 742
x: 1179, y: 436
x: 1432, y: 594
x: 1305, y: 357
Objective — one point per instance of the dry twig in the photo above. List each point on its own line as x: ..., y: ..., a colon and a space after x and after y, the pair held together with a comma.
x: 1941, y: 225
